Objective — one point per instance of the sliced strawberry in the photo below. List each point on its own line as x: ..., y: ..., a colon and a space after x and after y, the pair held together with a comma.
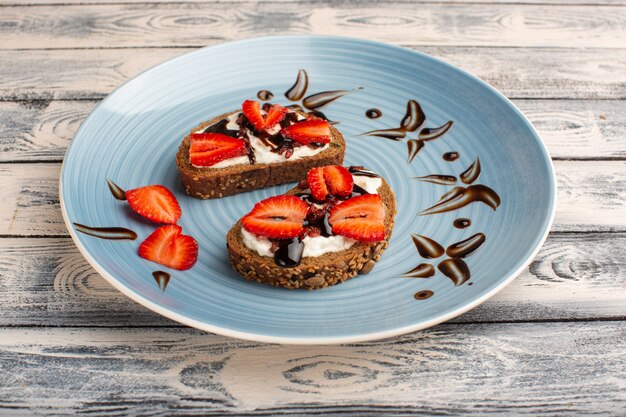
x: 252, y: 111
x: 275, y: 115
x: 331, y: 179
x: 360, y: 218
x: 154, y: 202
x: 308, y: 131
x: 208, y: 149
x: 317, y: 183
x: 169, y: 247
x: 280, y: 217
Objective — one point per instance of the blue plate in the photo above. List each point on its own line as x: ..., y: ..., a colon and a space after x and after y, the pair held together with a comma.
x: 133, y: 135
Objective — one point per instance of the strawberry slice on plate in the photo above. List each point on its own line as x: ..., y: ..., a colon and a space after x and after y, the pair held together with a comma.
x: 308, y: 131
x: 331, y: 179
x: 275, y: 115
x: 280, y: 217
x: 154, y: 202
x: 252, y: 111
x: 169, y: 247
x: 360, y: 218
x: 208, y: 149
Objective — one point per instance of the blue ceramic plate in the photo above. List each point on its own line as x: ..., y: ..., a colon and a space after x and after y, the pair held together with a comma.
x: 133, y: 135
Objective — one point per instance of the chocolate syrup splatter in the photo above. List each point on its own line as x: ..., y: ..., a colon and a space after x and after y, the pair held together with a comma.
x: 423, y: 295
x: 462, y: 223
x: 456, y: 270
x: 413, y: 146
x: 289, y: 252
x: 298, y: 90
x: 438, y: 179
x: 421, y: 271
x: 162, y: 278
x: 265, y: 95
x: 461, y: 196
x: 373, y: 113
x: 450, y: 156
x: 427, y: 247
x: 413, y: 119
x: 472, y: 172
x: 466, y: 247
x: 315, y: 101
x: 116, y: 190
x: 109, y: 233
x: 359, y: 170
x: 428, y: 134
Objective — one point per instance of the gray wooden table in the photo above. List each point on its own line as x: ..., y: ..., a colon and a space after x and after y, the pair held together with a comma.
x: 552, y: 343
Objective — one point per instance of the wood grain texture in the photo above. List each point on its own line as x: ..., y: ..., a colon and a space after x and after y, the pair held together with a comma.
x: 512, y: 369
x: 41, y: 130
x: 287, y: 3
x: 591, y: 197
x: 47, y: 282
x: 517, y: 72
x: 195, y: 24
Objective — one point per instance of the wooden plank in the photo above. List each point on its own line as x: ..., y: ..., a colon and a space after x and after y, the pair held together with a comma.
x: 173, y: 24
x: 517, y: 72
x: 41, y: 130
x: 289, y: 2
x: 506, y: 369
x: 591, y: 197
x: 47, y: 282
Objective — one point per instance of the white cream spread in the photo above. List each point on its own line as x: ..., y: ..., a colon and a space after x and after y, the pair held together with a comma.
x: 262, y: 153
x: 318, y: 245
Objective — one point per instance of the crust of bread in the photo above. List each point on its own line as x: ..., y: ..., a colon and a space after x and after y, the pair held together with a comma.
x: 313, y: 272
x: 209, y: 182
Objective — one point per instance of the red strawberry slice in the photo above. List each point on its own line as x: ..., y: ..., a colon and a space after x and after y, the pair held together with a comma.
x: 308, y: 131
x: 331, y: 179
x: 280, y: 217
x: 154, y: 202
x: 360, y: 218
x: 208, y: 149
x: 252, y: 111
x: 169, y: 247
x: 275, y: 115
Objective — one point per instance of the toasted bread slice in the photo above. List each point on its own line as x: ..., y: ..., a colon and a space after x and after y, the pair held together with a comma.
x: 313, y: 272
x: 207, y: 182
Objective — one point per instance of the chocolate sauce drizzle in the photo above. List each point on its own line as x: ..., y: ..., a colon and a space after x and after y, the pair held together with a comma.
x: 116, y: 190
x: 413, y: 121
x: 438, y: 179
x: 289, y: 252
x: 298, y: 90
x: 427, y: 247
x: 359, y: 170
x: 373, y: 113
x: 423, y: 295
x: 162, y: 278
x: 466, y: 247
x: 421, y: 271
x: 265, y: 95
x: 109, y: 233
x: 462, y: 196
x: 450, y: 156
x: 472, y: 172
x: 455, y: 269
x: 462, y: 223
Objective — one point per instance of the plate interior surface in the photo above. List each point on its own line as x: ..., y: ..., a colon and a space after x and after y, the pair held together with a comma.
x: 133, y: 135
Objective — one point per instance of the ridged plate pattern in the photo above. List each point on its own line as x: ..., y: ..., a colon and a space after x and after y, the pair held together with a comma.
x: 133, y: 135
